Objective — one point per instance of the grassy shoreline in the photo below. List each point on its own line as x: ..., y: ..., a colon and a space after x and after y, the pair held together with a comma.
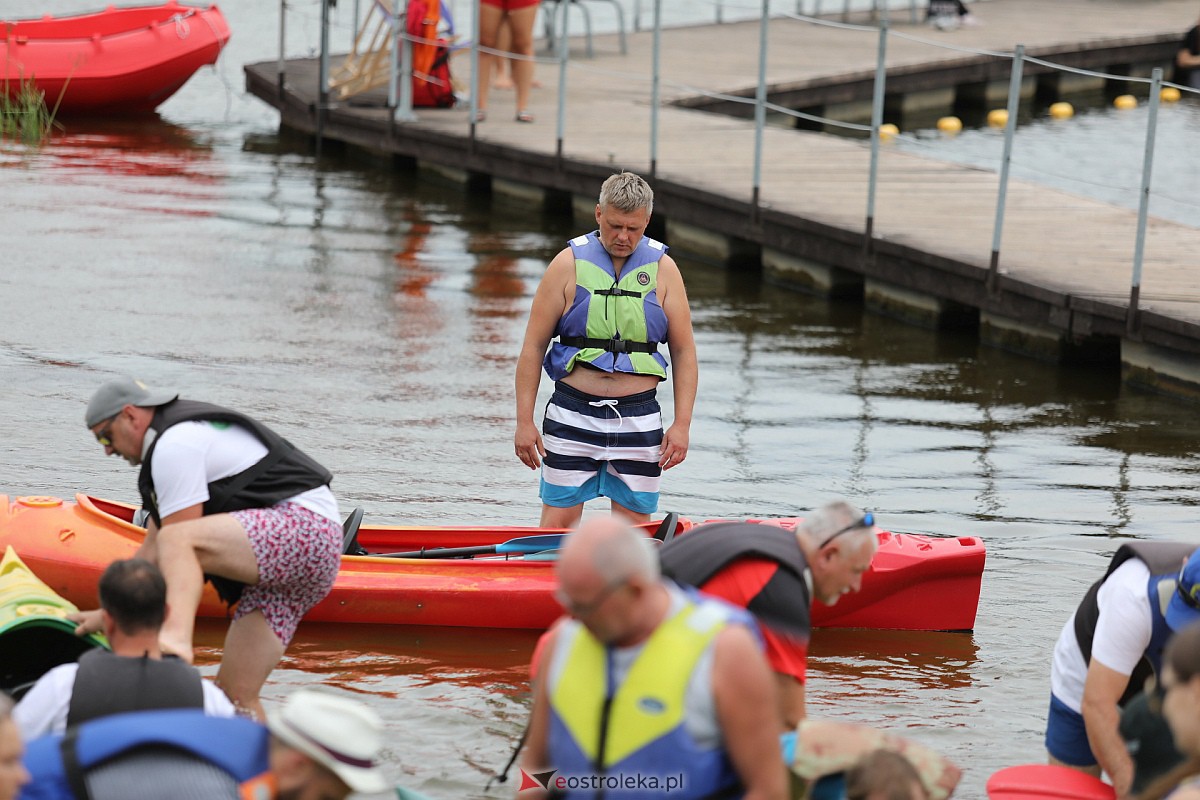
x: 24, y: 116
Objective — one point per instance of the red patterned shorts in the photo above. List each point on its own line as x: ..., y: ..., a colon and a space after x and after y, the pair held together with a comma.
x: 298, y: 553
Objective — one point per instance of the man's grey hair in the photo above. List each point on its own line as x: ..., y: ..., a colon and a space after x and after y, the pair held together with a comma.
x: 823, y: 524
x: 625, y: 555
x: 627, y: 192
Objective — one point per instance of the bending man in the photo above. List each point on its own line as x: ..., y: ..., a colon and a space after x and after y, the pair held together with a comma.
x: 230, y: 500
x: 769, y: 571
x: 647, y: 688
x: 1108, y: 647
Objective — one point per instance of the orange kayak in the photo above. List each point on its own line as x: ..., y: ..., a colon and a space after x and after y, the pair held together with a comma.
x: 915, y: 582
x: 119, y: 60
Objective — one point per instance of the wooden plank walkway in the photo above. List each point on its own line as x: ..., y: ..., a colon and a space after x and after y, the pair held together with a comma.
x: 1066, y: 261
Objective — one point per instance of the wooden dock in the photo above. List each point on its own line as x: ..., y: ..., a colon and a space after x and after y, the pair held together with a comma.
x: 1066, y: 262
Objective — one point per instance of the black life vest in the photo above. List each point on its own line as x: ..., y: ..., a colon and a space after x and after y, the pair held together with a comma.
x: 783, y: 602
x: 285, y: 471
x: 1164, y: 560
x: 110, y: 684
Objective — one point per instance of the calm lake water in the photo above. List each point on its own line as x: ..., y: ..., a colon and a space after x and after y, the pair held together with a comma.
x: 375, y: 318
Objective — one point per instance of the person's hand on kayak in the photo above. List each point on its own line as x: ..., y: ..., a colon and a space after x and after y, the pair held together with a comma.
x: 87, y: 621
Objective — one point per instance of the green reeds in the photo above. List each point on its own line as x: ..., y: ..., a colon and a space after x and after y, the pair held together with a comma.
x: 23, y: 114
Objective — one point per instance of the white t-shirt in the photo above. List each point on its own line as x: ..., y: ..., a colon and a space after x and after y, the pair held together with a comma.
x: 190, y: 455
x: 1122, y: 635
x: 44, y: 707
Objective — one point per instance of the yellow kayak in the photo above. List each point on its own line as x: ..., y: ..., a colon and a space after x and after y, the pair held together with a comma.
x: 34, y: 630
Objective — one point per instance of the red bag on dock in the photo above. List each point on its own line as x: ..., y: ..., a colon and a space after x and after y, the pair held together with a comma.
x: 432, y: 87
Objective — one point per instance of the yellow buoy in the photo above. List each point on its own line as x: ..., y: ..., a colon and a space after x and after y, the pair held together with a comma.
x: 1062, y: 110
x: 888, y: 131
x: 998, y: 117
x: 1125, y: 102
x: 1169, y: 94
x: 949, y: 124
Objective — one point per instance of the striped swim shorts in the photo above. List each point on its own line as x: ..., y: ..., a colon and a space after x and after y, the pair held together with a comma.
x: 601, y: 447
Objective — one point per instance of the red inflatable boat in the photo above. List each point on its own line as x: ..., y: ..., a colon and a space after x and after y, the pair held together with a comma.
x: 115, y: 61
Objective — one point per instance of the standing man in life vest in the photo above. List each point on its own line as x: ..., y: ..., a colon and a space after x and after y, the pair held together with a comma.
x: 134, y: 676
x: 1109, y: 646
x: 647, y: 691
x: 232, y: 501
x: 774, y: 573
x: 610, y: 299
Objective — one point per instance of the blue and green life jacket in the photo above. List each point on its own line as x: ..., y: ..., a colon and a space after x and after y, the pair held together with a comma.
x: 614, y: 325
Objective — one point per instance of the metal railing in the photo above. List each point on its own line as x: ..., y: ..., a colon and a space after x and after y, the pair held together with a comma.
x: 400, y: 102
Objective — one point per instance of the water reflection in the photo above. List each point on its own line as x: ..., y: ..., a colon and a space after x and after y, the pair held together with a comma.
x: 918, y: 659
x: 146, y: 146
x: 376, y: 316
x: 350, y: 655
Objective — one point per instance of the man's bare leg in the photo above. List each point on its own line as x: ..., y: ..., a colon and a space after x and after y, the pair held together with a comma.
x: 634, y: 517
x: 553, y: 517
x: 252, y: 651
x: 215, y: 544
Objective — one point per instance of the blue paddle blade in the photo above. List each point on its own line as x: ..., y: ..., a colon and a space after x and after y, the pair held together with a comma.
x: 531, y: 544
x: 545, y: 555
x: 410, y: 794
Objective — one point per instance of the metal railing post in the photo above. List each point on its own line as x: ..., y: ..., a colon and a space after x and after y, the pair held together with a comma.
x: 1131, y: 317
x: 564, y: 53
x: 405, y: 112
x: 876, y: 120
x: 655, y: 88
x: 323, y: 74
x: 760, y: 108
x: 394, y: 59
x: 281, y: 67
x: 1010, y: 131
x: 473, y: 120
x: 354, y: 28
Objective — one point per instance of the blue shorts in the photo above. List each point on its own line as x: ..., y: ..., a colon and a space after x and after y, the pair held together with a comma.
x: 1066, y: 736
x: 602, y: 447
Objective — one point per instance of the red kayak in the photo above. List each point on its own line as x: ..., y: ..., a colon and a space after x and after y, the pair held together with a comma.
x: 115, y: 61
x: 502, y: 578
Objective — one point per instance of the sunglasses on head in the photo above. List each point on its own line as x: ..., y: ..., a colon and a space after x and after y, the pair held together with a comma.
x: 867, y: 521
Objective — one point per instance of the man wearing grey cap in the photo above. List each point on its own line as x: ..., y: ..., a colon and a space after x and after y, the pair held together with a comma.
x: 232, y: 501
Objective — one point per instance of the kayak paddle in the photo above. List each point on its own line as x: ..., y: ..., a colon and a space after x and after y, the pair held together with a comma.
x: 523, y: 545
x: 1046, y: 782
x: 519, y: 546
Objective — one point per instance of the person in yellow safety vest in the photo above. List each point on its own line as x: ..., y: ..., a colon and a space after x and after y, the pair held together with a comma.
x: 647, y: 689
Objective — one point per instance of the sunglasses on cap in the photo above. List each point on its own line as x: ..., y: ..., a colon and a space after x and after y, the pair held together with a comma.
x: 867, y: 521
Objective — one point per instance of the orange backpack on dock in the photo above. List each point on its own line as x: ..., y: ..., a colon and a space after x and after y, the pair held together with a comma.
x: 430, y: 56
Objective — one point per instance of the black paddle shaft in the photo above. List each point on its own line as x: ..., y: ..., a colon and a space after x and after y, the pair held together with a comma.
x: 443, y: 552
